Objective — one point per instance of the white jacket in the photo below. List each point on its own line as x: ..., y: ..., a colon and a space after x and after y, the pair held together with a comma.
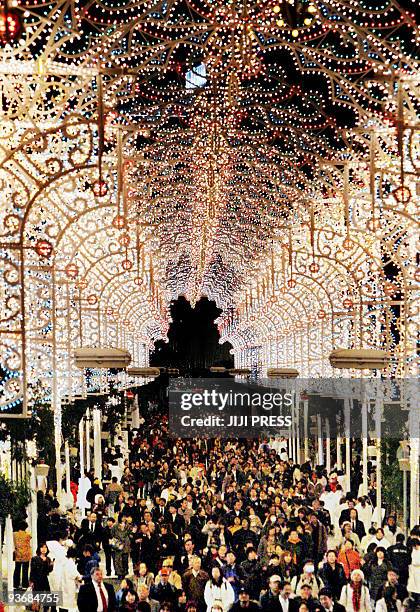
x: 69, y: 584
x: 224, y: 594
x: 346, y: 599
x: 413, y: 584
x: 381, y: 605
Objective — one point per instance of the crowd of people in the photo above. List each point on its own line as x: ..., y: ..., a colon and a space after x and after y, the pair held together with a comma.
x: 217, y: 526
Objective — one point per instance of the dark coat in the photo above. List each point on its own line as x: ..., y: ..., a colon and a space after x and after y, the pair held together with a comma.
x: 87, y: 600
x: 333, y: 579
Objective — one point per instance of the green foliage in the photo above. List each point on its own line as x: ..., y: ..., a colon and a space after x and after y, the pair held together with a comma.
x: 392, y: 478
x: 14, y: 499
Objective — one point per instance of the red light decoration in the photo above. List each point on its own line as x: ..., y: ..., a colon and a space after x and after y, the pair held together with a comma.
x: 314, y: 267
x: 389, y: 289
x: 11, y: 25
x: 291, y: 283
x: 118, y: 222
x: 129, y: 395
x: 92, y: 299
x: 100, y: 189
x: 322, y: 314
x: 43, y: 248
x: 402, y: 194
x: 124, y: 239
x: 347, y: 303
x: 71, y: 270
x: 127, y: 264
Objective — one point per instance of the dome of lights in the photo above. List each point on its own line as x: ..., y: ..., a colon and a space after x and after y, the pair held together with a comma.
x: 263, y: 154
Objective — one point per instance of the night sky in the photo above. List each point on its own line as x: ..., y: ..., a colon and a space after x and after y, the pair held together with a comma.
x: 193, y: 339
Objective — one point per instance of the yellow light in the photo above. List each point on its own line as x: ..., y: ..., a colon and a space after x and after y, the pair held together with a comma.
x: 280, y: 23
x: 307, y: 21
x: 311, y: 8
x: 276, y: 9
x: 295, y: 33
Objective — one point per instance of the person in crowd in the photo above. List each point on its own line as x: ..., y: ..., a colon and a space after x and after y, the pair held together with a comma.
x: 129, y: 601
x: 163, y: 590
x: 413, y: 584
x: 71, y: 580
x: 349, y: 558
x: 389, y: 602
x: 269, y: 600
x: 399, y: 556
x: 308, y: 577
x: 120, y: 542
x: 391, y: 529
x: 376, y: 571
x: 326, y: 599
x: 333, y: 575
x: 194, y: 582
x: 40, y: 568
x: 95, y: 595
x: 355, y: 596
x: 106, y: 544
x: 146, y: 603
x: 125, y: 585
x: 244, y: 603
x: 218, y: 589
x: 392, y: 580
x: 89, y: 560
x: 142, y: 575
x: 22, y: 556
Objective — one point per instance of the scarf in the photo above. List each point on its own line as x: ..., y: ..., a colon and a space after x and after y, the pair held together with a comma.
x: 357, y: 594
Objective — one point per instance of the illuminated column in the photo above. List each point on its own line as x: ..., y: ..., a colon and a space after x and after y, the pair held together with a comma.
x: 8, y: 538
x: 364, y: 446
x: 347, y: 408
x: 33, y: 513
x: 378, y: 416
x: 97, y: 448
x: 414, y: 431
x: 320, y: 445
x: 328, y: 445
x: 81, y: 447
x: 67, y: 460
x: 305, y: 429
x: 339, y: 459
x: 297, y: 417
x: 87, y: 425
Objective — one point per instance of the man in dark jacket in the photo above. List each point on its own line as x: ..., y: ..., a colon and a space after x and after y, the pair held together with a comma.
x: 96, y: 595
x: 279, y: 597
x: 164, y: 591
x: 250, y: 572
x: 332, y: 574
x: 245, y: 603
x: 327, y: 602
x: 399, y: 555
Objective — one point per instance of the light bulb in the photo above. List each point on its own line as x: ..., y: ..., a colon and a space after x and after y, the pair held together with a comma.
x: 311, y: 8
x: 280, y: 23
x: 276, y: 9
x: 295, y: 33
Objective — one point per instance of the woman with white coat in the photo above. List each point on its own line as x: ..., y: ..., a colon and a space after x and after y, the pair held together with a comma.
x: 218, y: 590
x: 70, y: 581
x: 389, y: 602
x: 355, y: 596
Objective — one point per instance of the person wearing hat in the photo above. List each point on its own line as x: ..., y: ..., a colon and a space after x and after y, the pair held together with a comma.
x: 308, y: 577
x: 163, y: 590
x: 355, y: 596
x: 328, y: 603
x: 244, y: 603
x: 278, y: 598
x: 305, y: 596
